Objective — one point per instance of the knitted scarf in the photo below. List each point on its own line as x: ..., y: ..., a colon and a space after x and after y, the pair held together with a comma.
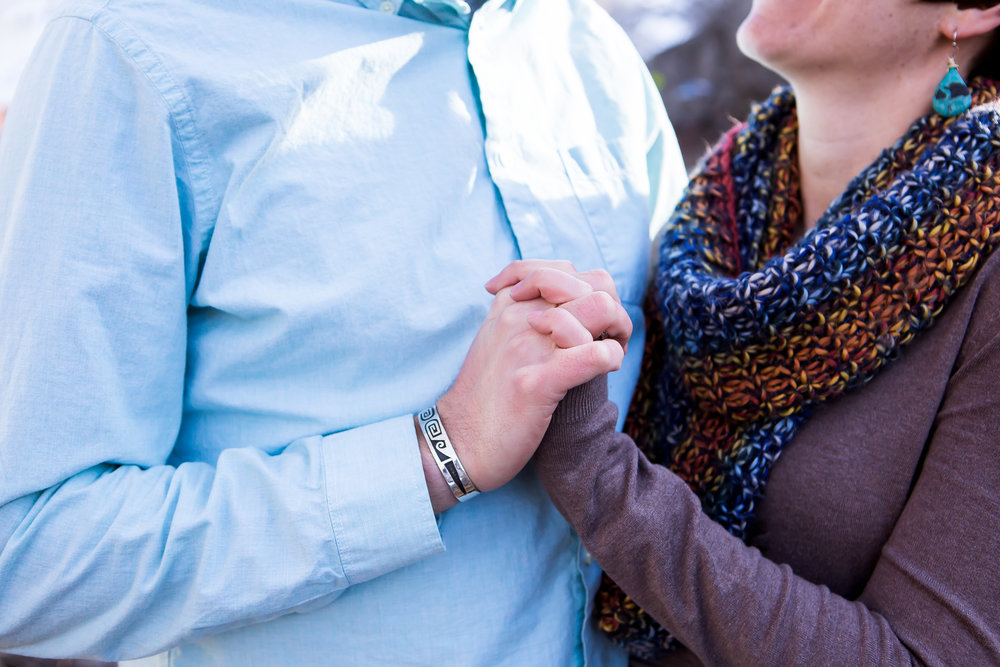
x: 750, y: 330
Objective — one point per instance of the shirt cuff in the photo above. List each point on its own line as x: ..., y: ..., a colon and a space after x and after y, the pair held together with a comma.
x: 377, y: 495
x: 581, y: 402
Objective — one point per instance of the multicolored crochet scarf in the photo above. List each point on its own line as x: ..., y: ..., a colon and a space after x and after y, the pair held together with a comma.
x: 751, y: 330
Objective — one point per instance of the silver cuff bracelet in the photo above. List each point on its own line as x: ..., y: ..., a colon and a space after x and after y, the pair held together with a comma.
x: 444, y: 455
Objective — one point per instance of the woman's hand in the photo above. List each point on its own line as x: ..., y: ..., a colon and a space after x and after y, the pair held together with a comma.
x: 558, y: 283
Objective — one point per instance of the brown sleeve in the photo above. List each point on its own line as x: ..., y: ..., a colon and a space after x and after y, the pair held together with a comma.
x: 938, y: 577
x: 933, y: 597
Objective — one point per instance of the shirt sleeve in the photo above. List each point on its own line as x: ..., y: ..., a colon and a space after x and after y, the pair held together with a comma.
x: 105, y: 549
x: 930, y: 600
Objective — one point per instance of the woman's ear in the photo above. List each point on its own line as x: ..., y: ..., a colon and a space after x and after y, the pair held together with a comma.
x: 969, y: 22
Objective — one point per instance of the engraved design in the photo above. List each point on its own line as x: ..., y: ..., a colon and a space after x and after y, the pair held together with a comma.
x: 447, y: 460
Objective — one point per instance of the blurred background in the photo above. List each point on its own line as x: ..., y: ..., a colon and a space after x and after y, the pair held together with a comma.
x: 689, y: 46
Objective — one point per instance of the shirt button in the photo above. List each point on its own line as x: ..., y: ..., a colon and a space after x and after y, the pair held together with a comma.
x: 587, y: 558
x: 387, y: 7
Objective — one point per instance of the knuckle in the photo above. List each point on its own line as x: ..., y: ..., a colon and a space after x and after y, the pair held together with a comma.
x: 608, y: 356
x: 599, y: 355
x: 526, y: 381
x: 605, y: 307
x: 501, y: 302
x: 548, y: 320
x: 598, y: 276
x: 606, y: 301
x: 511, y: 317
x: 601, y: 280
x: 543, y: 277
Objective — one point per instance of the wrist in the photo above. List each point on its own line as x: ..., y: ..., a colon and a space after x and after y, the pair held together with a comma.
x: 464, y: 438
x: 441, y: 496
x: 582, y: 401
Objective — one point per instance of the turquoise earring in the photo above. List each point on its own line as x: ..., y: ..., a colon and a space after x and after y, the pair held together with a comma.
x: 952, y: 96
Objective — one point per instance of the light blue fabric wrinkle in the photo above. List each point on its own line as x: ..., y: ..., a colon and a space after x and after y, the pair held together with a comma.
x: 241, y: 243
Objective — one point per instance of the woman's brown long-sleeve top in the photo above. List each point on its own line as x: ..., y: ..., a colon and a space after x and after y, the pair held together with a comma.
x: 877, y: 541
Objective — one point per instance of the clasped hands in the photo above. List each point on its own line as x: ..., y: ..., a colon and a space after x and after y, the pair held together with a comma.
x: 549, y: 329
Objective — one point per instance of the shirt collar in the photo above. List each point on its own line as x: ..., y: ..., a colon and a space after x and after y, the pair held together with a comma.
x: 455, y: 13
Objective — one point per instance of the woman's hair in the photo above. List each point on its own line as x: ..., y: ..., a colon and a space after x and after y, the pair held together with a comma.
x: 988, y: 63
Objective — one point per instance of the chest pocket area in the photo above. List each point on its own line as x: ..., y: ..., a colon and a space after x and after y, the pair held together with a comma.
x: 588, y: 204
x: 610, y: 186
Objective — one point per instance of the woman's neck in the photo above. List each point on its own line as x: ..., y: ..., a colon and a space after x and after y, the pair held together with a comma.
x: 842, y: 129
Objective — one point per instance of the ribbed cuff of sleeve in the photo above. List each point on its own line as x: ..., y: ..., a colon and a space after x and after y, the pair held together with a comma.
x: 581, y: 402
x: 379, y: 506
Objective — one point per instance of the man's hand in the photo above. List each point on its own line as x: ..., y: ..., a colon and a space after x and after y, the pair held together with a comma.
x: 547, y: 331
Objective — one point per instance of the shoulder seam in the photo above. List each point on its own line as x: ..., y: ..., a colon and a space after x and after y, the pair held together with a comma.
x: 175, y: 100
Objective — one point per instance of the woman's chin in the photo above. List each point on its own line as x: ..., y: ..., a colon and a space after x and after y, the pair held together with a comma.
x: 767, y: 54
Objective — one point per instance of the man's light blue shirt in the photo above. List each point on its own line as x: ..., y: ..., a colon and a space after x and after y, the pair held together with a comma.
x: 241, y: 243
